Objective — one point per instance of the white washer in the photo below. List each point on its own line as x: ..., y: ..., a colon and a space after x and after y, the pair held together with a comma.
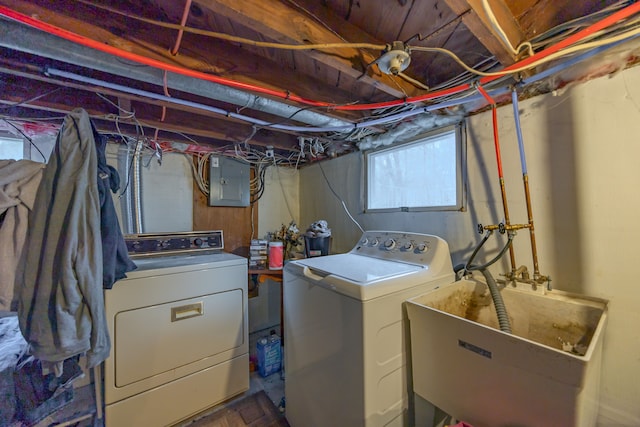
x: 345, y: 327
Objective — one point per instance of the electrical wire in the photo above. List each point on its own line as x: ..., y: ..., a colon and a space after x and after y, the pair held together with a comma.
x: 129, y: 170
x: 27, y: 101
x: 357, y: 127
x: 551, y: 53
x: 413, y: 81
x: 344, y: 206
x: 152, y: 147
x: 183, y: 21
x: 284, y: 195
x: 533, y: 64
x: 570, y: 27
x: 528, y: 63
x: 260, y: 171
x: 26, y: 137
x: 496, y: 26
x: 199, y: 171
x: 242, y: 40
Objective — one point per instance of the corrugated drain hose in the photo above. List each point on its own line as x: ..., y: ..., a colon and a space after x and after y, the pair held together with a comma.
x: 496, y: 296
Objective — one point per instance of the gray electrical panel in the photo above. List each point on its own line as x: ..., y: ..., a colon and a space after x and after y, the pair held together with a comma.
x: 228, y: 182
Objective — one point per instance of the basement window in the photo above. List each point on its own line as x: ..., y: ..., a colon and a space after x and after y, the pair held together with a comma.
x: 420, y: 175
x: 12, y: 147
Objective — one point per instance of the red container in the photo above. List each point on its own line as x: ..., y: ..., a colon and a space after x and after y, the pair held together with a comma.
x: 276, y: 255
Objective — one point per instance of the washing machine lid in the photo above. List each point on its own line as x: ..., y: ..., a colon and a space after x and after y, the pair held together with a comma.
x: 359, y: 269
x: 360, y: 277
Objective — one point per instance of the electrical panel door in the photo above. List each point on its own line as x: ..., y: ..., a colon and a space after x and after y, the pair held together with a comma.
x: 228, y: 182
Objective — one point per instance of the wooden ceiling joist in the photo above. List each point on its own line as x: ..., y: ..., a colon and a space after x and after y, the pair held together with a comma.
x: 20, y: 86
x: 288, y: 26
x: 480, y: 25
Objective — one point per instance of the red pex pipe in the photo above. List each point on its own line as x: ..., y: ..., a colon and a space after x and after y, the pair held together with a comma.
x: 503, y: 190
x: 600, y: 25
x: 496, y: 140
x: 594, y: 28
x: 76, y: 38
x: 84, y: 41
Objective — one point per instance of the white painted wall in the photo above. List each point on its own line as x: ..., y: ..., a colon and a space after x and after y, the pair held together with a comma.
x: 167, y: 193
x: 582, y: 151
x: 279, y: 205
x: 168, y: 187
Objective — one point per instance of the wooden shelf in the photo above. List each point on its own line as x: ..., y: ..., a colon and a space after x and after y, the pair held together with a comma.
x: 266, y: 272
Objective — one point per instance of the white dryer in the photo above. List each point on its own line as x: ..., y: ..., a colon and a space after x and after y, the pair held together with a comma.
x: 346, y: 333
x: 179, y: 332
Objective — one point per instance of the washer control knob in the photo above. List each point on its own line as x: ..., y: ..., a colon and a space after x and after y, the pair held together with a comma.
x: 197, y: 242
x: 374, y: 242
x: 364, y: 241
x: 407, y: 246
x: 422, y: 247
x: 389, y: 244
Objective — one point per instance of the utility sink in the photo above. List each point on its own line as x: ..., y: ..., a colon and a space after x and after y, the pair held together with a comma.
x: 546, y: 373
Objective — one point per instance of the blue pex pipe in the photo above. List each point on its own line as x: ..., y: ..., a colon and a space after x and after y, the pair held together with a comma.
x: 374, y: 122
x: 516, y: 116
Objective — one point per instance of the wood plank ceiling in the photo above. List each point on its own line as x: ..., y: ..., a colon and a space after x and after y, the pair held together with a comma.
x: 339, y: 76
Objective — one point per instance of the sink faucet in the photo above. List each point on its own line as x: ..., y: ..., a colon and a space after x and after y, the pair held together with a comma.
x: 521, y: 271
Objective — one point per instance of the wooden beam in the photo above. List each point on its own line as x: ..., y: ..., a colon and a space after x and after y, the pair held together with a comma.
x: 479, y: 24
x: 288, y: 25
x: 197, y: 52
x: 16, y: 89
x: 537, y: 17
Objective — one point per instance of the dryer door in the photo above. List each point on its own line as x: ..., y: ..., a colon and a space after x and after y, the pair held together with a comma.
x: 152, y: 340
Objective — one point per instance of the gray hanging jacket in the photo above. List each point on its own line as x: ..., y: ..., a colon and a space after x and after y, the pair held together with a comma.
x: 61, y: 302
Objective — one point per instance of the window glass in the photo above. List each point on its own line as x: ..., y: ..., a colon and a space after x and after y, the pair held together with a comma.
x: 11, y: 148
x: 422, y: 174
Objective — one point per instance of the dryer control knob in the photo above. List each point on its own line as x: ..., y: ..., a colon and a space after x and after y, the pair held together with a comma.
x: 422, y: 247
x: 389, y: 244
x: 407, y: 246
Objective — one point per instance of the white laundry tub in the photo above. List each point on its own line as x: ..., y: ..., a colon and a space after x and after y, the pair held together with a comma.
x: 466, y: 366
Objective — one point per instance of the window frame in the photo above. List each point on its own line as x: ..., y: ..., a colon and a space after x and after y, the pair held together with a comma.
x: 459, y: 130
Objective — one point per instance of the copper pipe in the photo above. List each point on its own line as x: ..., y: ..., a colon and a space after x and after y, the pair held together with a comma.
x: 174, y: 52
x: 185, y: 15
x: 525, y: 181
x: 502, y: 227
x: 536, y: 270
x: 507, y: 223
x: 503, y: 190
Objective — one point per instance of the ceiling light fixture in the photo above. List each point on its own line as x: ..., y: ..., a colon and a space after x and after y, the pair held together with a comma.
x: 394, y: 59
